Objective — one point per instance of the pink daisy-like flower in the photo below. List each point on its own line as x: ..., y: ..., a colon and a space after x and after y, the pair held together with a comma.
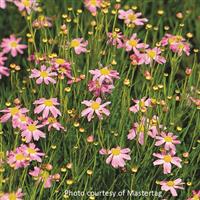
x: 153, y: 55
x: 42, y: 175
x: 115, y: 39
x: 46, y: 106
x: 140, y: 105
x: 172, y: 186
x: 53, y: 123
x: 17, y: 158
x: 104, y: 74
x: 12, y: 45
x: 27, y: 5
x: 12, y: 113
x: 95, y: 107
x: 43, y: 75
x: 116, y: 156
x: 32, y: 152
x: 20, y: 121
x: 133, y: 44
x: 31, y: 131
x: 2, y: 4
x: 195, y: 195
x: 137, y: 59
x: 130, y: 17
x: 168, y: 139
x: 167, y: 159
x: 18, y: 195
x: 4, y: 71
x: 92, y: 5
x: 2, y: 59
x: 99, y: 89
x: 79, y: 45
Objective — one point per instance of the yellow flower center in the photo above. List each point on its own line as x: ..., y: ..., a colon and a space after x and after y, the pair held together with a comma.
x: 48, y: 103
x: 142, y: 104
x: 12, y: 196
x: 26, y: 3
x: 51, y: 120
x: 14, y: 111
x: 195, y: 197
x: 132, y: 17
x: 93, y: 2
x: 32, y: 128
x: 45, y: 175
x: 140, y: 128
x: 105, y: 71
x: 168, y: 139
x: 31, y: 151
x: 133, y: 43
x: 20, y: 156
x: 114, y: 35
x: 60, y: 61
x: 151, y: 53
x: 167, y: 158
x: 170, y: 183
x: 23, y: 118
x: 116, y: 151
x: 75, y: 43
x: 44, y: 74
x: 13, y: 44
x: 181, y: 46
x: 95, y: 105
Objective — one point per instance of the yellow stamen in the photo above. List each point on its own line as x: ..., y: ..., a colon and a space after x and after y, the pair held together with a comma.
x: 14, y: 111
x: 167, y: 158
x: 75, y: 43
x: 104, y: 71
x: 151, y: 53
x: 48, y: 103
x: 32, y: 128
x: 95, y: 105
x: 44, y: 74
x: 20, y: 156
x: 133, y: 43
x: 168, y: 139
x: 12, y: 196
x: 31, y: 151
x: 116, y: 151
x: 170, y: 183
x: 60, y: 61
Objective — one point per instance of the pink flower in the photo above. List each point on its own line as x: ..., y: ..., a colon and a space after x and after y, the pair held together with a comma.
x: 172, y: 186
x: 140, y: 105
x: 20, y: 121
x: 99, y: 89
x: 104, y: 74
x: 2, y: 59
x: 117, y: 156
x: 195, y: 195
x: 153, y: 55
x: 31, y: 131
x: 27, y: 5
x: 11, y: 113
x: 53, y: 123
x: 92, y: 5
x: 4, y: 71
x: 18, y: 195
x: 47, y: 105
x: 12, y: 45
x: 78, y: 45
x: 130, y: 17
x: 133, y: 44
x: 32, y: 152
x: 2, y: 4
x: 168, y: 139
x: 17, y: 158
x: 42, y: 175
x: 166, y: 159
x: 95, y: 107
x: 116, y: 39
x: 43, y: 75
x: 137, y: 59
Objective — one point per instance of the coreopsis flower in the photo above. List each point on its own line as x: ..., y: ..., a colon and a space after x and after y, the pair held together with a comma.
x: 95, y: 107
x: 3, y: 58
x: 137, y: 59
x: 46, y: 106
x: 18, y: 195
x: 26, y: 5
x: 31, y: 131
x: 130, y: 17
x: 104, y: 74
x: 32, y: 152
x: 2, y: 4
x: 92, y: 5
x: 45, y: 75
x: 42, y: 176
x: 42, y: 22
x: 116, y: 39
x: 20, y: 121
x: 12, y: 113
x: 116, y: 156
x: 195, y: 101
x: 168, y: 139
x: 12, y: 45
x: 99, y: 89
x: 79, y: 45
x: 52, y: 122
x: 167, y: 159
x: 195, y: 195
x: 4, y: 71
x: 140, y: 105
x: 153, y: 55
x: 176, y: 43
x: 17, y: 158
x: 133, y: 44
x: 172, y: 186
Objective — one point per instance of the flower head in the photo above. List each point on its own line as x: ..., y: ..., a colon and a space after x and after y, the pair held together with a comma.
x: 27, y: 5
x: 18, y: 195
x: 92, y: 5
x: 140, y: 105
x: 115, y: 39
x: 79, y: 45
x: 195, y: 195
x: 53, y: 123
